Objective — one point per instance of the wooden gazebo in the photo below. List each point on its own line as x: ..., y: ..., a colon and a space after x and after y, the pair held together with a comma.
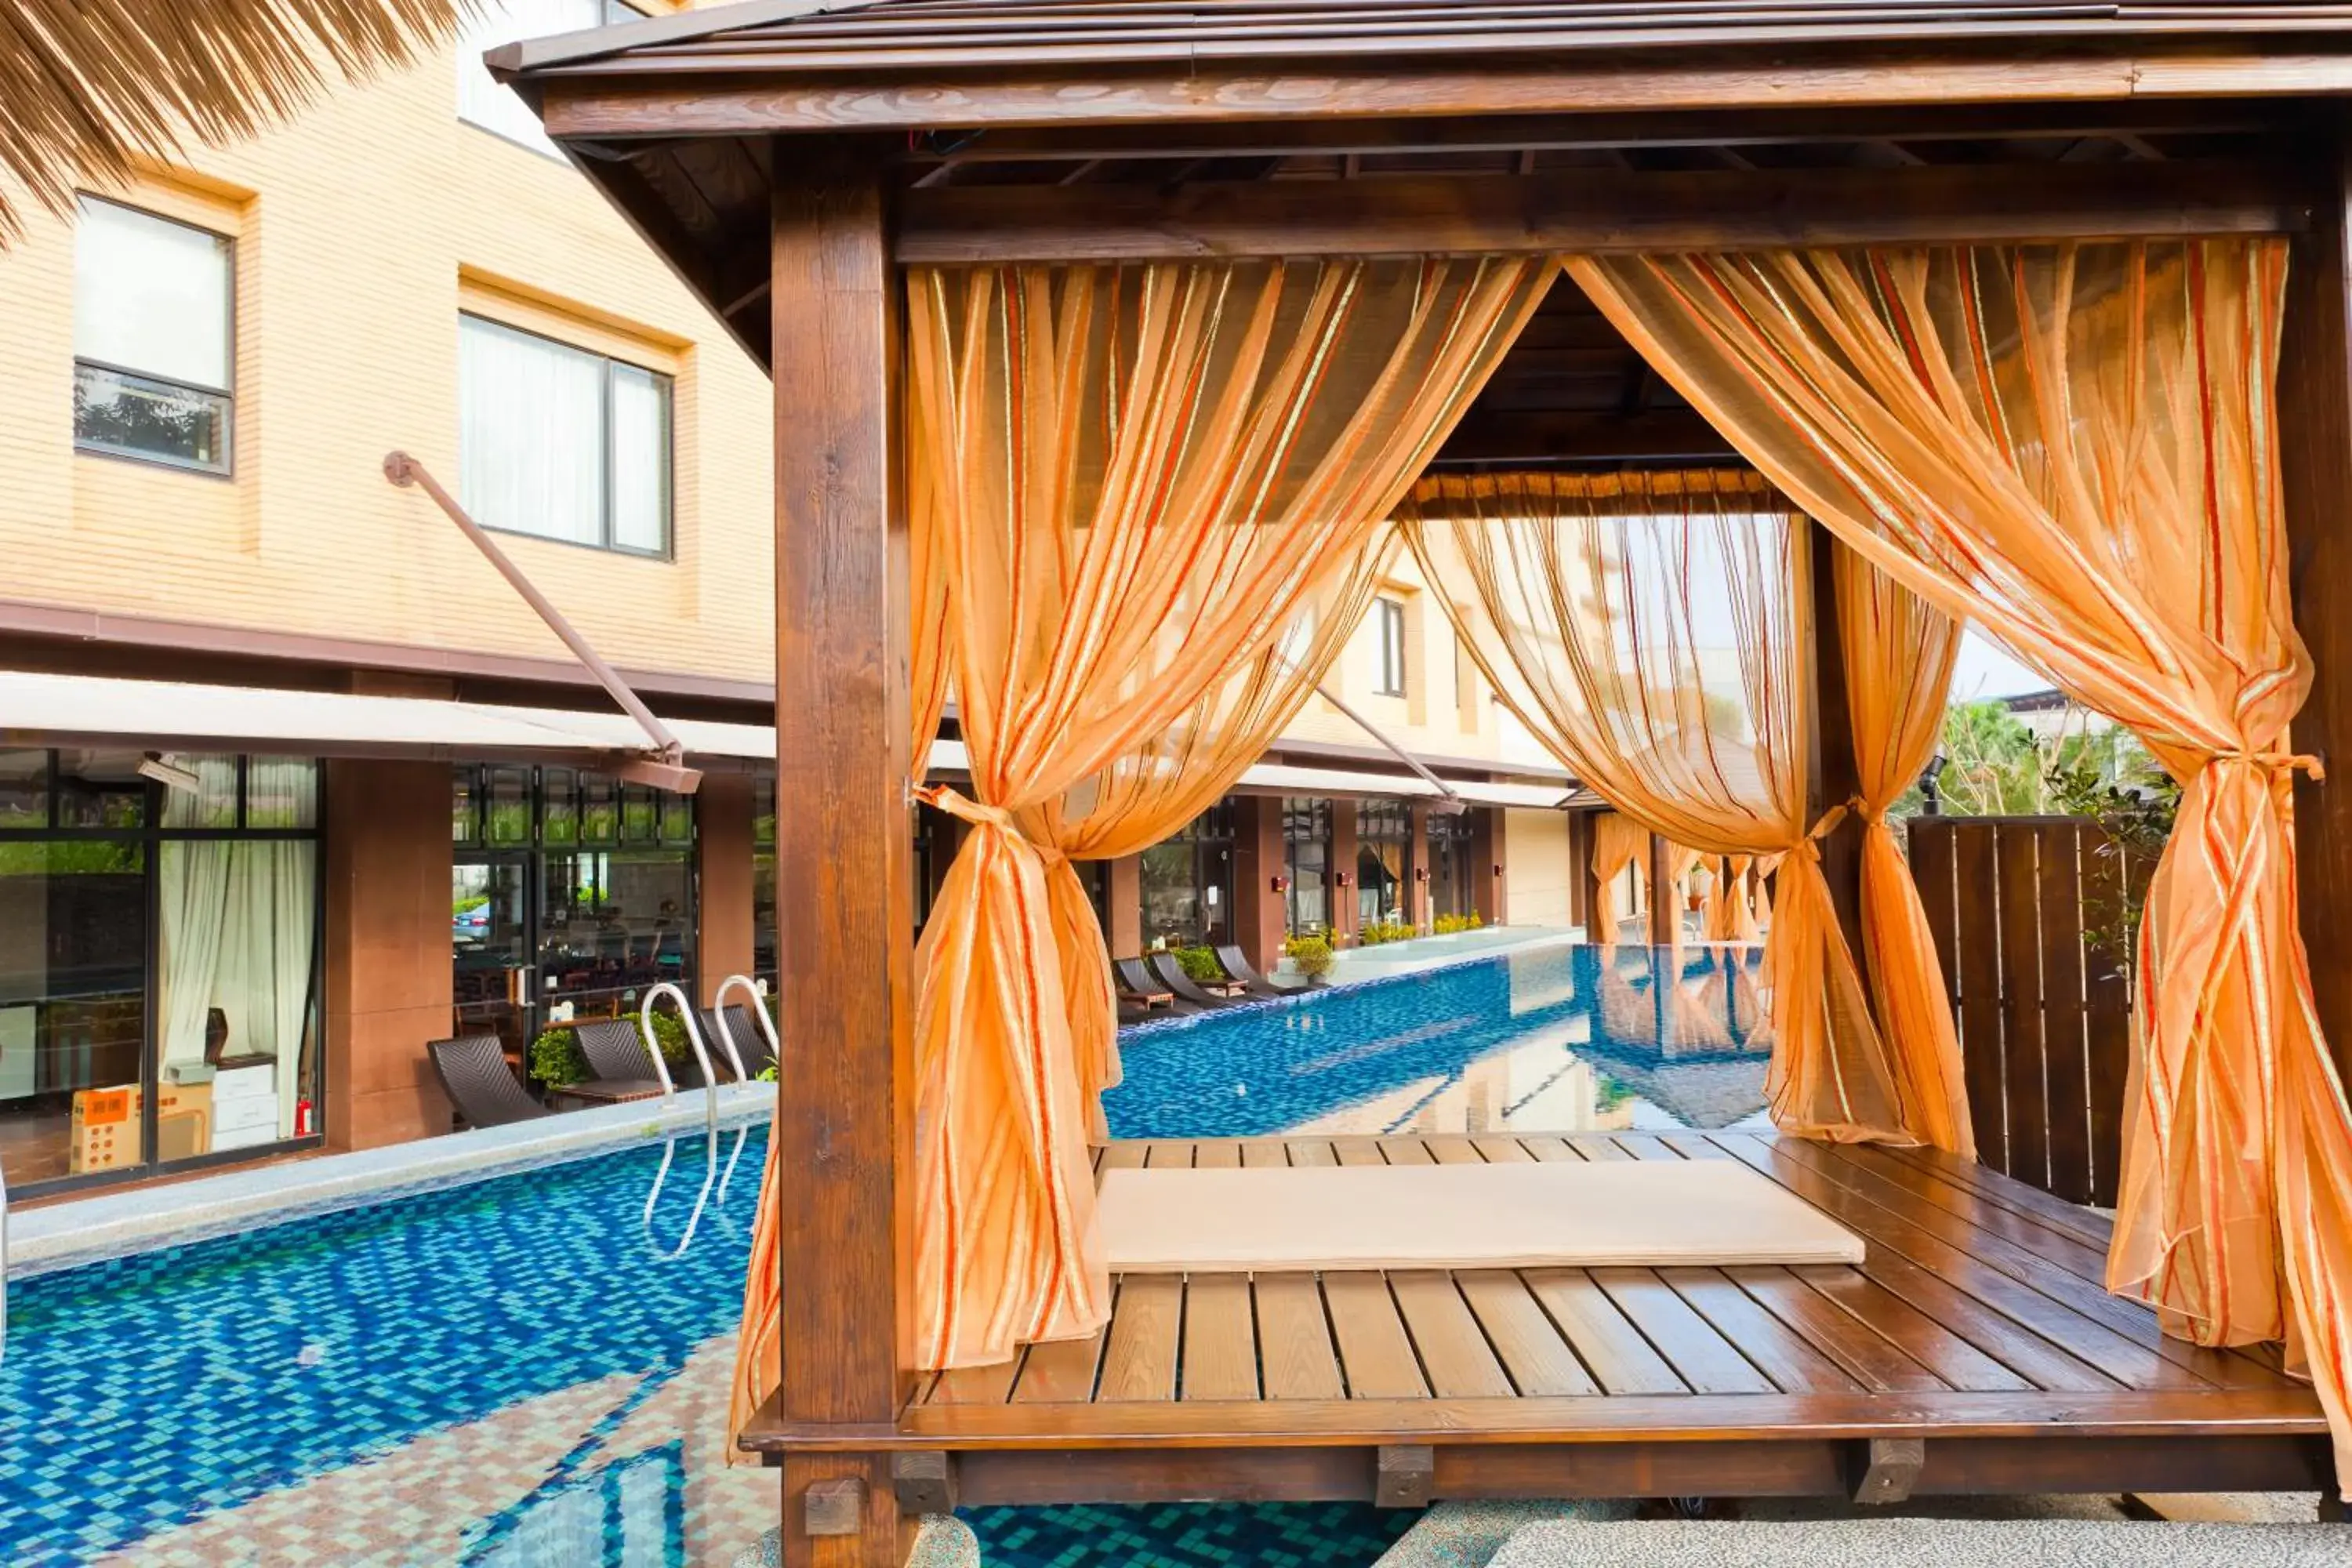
x: 789, y: 157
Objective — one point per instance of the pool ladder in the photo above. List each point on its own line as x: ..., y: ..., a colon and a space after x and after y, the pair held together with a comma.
x: 710, y: 1174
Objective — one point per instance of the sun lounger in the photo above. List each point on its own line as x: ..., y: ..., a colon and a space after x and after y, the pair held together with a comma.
x: 1238, y: 965
x: 622, y: 1066
x: 1139, y: 987
x: 475, y: 1076
x: 1171, y: 974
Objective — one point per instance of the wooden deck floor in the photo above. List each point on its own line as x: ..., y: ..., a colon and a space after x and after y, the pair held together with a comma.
x: 1977, y: 1322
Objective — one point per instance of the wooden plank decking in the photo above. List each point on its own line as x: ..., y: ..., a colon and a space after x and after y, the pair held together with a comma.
x: 1977, y: 1321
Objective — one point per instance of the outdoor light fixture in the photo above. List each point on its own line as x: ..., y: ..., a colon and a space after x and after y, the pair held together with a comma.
x: 1498, y: 867
x: 1281, y: 884
x: 167, y: 771
x: 1341, y: 877
x: 1931, y: 795
x: 1420, y: 873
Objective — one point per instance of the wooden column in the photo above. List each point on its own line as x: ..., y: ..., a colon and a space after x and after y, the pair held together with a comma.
x: 1487, y: 864
x: 1834, y: 778
x: 1261, y: 915
x: 2315, y: 407
x: 1124, y: 896
x: 1665, y: 900
x: 723, y: 860
x: 1343, y: 863
x: 1419, y: 904
x: 845, y: 1118
x: 1586, y: 904
x: 387, y: 949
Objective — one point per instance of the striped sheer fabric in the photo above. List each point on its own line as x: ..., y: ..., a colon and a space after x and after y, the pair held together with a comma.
x: 1730, y: 901
x: 2076, y: 446
x: 1651, y: 630
x: 1618, y: 842
x: 1898, y: 652
x: 1148, y: 488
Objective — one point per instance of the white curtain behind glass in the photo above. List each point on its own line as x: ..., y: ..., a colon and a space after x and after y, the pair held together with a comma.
x: 480, y: 99
x: 530, y: 441
x: 151, y: 295
x: 239, y: 934
x: 640, y: 460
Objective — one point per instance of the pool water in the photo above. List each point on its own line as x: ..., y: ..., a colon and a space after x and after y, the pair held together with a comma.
x: 534, y: 1370
x: 1561, y: 1038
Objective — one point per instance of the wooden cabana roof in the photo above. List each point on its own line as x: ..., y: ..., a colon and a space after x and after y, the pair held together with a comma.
x: 775, y: 38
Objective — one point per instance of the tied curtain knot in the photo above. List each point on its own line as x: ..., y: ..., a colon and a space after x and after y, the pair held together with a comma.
x: 979, y: 814
x: 2281, y: 765
x: 1827, y: 824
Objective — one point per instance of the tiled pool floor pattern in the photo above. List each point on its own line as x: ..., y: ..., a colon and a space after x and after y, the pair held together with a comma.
x: 511, y: 1374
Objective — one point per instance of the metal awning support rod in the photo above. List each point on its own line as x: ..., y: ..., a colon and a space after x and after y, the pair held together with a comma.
x: 670, y: 772
x: 1449, y: 803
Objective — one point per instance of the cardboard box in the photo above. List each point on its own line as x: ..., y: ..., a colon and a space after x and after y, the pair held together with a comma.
x: 106, y: 1125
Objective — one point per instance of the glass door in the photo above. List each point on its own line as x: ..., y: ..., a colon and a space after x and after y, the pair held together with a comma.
x: 489, y: 940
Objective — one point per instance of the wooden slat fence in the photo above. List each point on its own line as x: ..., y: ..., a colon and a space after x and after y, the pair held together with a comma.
x: 2023, y: 910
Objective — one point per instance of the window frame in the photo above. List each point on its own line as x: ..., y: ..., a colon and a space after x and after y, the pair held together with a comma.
x: 548, y: 149
x: 608, y: 450
x: 227, y: 467
x: 1390, y: 614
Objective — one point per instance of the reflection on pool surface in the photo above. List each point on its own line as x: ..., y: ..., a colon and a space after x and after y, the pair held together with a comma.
x: 1563, y: 1038
x: 516, y: 1373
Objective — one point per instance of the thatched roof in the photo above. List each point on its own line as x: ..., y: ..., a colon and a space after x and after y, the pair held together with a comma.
x: 87, y: 86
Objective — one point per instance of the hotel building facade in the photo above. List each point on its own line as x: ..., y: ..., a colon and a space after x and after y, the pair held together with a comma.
x: 292, y: 783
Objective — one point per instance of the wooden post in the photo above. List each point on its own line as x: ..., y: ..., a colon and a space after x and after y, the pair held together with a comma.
x: 1588, y: 900
x: 1419, y: 900
x: 844, y: 1116
x: 1665, y: 898
x: 722, y: 862
x: 1487, y: 865
x: 2314, y: 411
x: 1344, y: 908
x: 1261, y: 913
x: 1834, y: 777
x: 1123, y: 900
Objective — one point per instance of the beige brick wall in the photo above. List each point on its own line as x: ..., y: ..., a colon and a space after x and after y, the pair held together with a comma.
x: 1536, y: 891
x: 358, y: 228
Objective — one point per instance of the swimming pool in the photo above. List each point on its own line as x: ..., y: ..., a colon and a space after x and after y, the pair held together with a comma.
x: 532, y: 1370
x: 1561, y: 1038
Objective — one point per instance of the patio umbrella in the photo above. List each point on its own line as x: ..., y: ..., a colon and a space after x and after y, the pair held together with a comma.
x: 89, y: 86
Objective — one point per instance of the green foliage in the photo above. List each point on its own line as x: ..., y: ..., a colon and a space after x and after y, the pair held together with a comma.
x: 766, y: 1075
x: 669, y: 1036
x: 2135, y: 803
x: 1310, y: 955
x: 1374, y: 932
x: 70, y: 858
x: 1448, y: 925
x: 1200, y: 966
x: 556, y: 1059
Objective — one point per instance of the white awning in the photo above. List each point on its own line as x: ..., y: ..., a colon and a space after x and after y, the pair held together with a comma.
x: 51, y: 710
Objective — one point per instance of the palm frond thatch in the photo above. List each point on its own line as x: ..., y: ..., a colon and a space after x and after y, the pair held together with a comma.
x: 86, y: 86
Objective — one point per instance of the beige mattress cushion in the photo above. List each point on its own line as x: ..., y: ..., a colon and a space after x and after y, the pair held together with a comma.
x: 1575, y: 1214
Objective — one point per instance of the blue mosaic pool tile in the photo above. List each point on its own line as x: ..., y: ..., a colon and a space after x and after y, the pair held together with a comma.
x: 1187, y: 1535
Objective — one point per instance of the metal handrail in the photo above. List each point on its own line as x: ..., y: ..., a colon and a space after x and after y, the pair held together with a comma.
x: 693, y: 1037
x: 758, y: 1010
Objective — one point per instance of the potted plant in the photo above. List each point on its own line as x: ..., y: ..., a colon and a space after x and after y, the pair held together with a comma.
x: 1311, y: 956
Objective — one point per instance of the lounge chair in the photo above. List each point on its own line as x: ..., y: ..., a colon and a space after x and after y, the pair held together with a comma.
x: 475, y: 1076
x: 751, y: 1040
x: 1186, y: 989
x: 1139, y: 989
x: 616, y: 1055
x: 1238, y: 965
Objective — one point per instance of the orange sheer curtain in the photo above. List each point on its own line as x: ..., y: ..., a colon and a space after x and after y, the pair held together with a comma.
x: 1138, y: 477
x: 2076, y: 446
x: 1618, y: 842
x: 1649, y: 629
x: 1898, y: 676
x: 1730, y: 907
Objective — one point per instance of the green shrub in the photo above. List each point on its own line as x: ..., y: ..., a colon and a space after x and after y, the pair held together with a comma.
x: 1375, y: 932
x: 1200, y: 966
x: 556, y: 1059
x: 670, y: 1035
x: 1448, y: 925
x: 1310, y: 955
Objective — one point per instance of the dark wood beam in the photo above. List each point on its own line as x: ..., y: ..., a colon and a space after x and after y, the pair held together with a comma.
x: 695, y: 100
x: 1597, y: 210
x: 725, y: 279
x: 843, y: 1126
x: 2314, y: 401
x: 1542, y: 436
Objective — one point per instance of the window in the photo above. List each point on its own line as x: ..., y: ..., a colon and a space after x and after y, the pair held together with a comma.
x: 1186, y: 882
x: 160, y: 967
x: 1383, y: 860
x: 1390, y: 614
x: 481, y: 100
x: 152, y: 338
x: 562, y: 443
x: 1306, y: 855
